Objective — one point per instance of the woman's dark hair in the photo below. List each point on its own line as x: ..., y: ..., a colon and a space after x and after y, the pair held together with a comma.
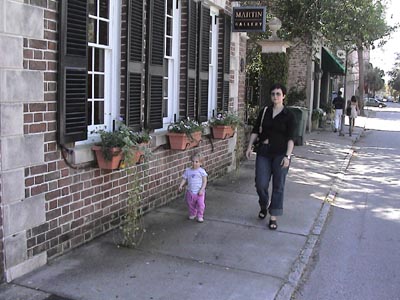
x: 353, y: 99
x: 278, y: 86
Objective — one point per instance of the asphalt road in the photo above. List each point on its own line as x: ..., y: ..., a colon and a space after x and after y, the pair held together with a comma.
x: 358, y: 256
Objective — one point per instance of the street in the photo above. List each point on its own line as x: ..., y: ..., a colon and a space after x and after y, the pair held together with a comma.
x: 357, y: 256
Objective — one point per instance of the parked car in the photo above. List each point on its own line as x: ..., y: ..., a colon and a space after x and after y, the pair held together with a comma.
x: 374, y: 102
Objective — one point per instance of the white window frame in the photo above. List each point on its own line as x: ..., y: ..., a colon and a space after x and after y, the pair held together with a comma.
x: 111, y: 73
x: 213, y: 66
x: 173, y: 61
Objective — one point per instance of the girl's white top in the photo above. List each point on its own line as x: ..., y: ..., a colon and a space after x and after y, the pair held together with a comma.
x: 194, y: 178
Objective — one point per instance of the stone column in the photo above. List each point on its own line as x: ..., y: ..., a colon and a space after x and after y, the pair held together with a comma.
x: 18, y: 86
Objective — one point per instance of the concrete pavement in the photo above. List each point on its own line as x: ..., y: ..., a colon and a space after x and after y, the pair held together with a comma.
x: 232, y: 255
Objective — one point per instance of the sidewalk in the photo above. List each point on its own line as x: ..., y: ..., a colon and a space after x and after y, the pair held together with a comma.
x: 232, y: 255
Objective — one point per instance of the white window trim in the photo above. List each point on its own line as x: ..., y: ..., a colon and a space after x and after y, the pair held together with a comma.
x: 173, y: 68
x: 213, y: 70
x: 112, y: 81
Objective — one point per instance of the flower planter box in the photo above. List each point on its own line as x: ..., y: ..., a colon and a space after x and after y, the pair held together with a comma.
x: 223, y: 131
x: 139, y: 153
x: 112, y: 164
x: 182, y: 141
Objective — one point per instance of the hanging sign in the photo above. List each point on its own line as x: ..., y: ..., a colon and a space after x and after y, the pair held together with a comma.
x: 249, y: 19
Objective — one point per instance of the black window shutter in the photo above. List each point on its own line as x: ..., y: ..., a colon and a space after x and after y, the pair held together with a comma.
x: 224, y: 63
x: 135, y: 64
x: 72, y: 73
x: 192, y: 40
x: 155, y: 63
x: 204, y: 61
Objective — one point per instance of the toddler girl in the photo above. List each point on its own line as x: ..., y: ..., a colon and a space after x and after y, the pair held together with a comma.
x: 196, y: 179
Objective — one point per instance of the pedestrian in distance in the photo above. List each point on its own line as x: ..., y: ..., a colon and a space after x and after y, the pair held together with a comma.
x: 196, y: 179
x: 338, y: 104
x: 274, y: 132
x: 354, y: 112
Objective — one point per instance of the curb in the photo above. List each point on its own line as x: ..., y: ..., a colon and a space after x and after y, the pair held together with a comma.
x: 288, y: 288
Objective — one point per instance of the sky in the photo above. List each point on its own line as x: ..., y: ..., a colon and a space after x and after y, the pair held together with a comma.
x: 384, y: 58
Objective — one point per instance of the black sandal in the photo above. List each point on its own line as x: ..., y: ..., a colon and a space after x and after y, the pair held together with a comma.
x: 272, y: 225
x: 262, y: 214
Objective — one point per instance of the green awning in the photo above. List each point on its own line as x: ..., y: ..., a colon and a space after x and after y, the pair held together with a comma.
x: 331, y: 64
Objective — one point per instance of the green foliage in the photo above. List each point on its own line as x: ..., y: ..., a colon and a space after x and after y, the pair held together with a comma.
x: 300, y: 18
x: 123, y: 138
x: 226, y: 118
x: 187, y: 126
x: 317, y: 114
x: 374, y: 79
x: 328, y: 108
x: 274, y: 67
x: 252, y: 114
x: 139, y: 137
x: 132, y: 228
x: 394, y: 81
x: 354, y: 22
x: 120, y: 138
x: 295, y: 96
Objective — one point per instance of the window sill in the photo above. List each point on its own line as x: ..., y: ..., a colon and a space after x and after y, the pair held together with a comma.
x: 83, y: 154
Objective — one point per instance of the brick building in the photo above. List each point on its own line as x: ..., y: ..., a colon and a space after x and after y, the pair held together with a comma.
x: 70, y: 67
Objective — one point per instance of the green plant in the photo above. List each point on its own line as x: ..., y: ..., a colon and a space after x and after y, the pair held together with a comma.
x: 187, y: 126
x: 317, y: 114
x: 123, y: 138
x: 328, y: 108
x: 139, y: 137
x: 132, y: 229
x: 120, y: 138
x: 226, y: 118
x: 295, y: 96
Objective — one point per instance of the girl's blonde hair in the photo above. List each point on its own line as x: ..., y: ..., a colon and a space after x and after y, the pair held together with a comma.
x: 197, y: 155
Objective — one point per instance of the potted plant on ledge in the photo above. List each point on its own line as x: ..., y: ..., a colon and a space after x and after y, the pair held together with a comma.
x: 123, y: 145
x: 113, y: 147
x: 141, y: 140
x: 224, y: 124
x: 184, y: 134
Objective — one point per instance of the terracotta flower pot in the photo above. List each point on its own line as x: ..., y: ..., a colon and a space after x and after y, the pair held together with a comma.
x: 181, y: 141
x: 139, y: 151
x: 108, y: 164
x: 223, y: 131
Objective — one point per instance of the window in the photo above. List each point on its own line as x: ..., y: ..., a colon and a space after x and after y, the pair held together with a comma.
x: 90, y: 45
x: 171, y: 57
x: 103, y: 42
x: 213, y: 71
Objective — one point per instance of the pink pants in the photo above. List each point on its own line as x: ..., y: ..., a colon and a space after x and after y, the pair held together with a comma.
x: 196, y: 204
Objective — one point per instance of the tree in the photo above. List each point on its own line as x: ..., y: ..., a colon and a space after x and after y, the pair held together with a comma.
x: 355, y: 23
x: 374, y: 79
x: 394, y: 81
x: 344, y: 24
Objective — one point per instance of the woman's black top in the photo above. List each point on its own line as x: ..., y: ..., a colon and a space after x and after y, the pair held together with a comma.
x: 278, y: 130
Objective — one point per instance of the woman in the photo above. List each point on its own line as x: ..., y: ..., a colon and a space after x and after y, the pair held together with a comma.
x: 274, y: 130
x: 354, y: 111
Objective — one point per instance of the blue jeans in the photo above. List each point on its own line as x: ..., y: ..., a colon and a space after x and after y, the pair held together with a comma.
x: 268, y: 166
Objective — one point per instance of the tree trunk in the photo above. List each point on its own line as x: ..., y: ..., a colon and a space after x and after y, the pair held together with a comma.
x: 360, y: 54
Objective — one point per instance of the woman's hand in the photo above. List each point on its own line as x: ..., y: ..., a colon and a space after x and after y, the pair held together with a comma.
x: 249, y: 151
x: 285, y: 162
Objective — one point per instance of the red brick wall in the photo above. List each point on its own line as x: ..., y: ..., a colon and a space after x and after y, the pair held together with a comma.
x: 86, y: 202
x: 298, y: 57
